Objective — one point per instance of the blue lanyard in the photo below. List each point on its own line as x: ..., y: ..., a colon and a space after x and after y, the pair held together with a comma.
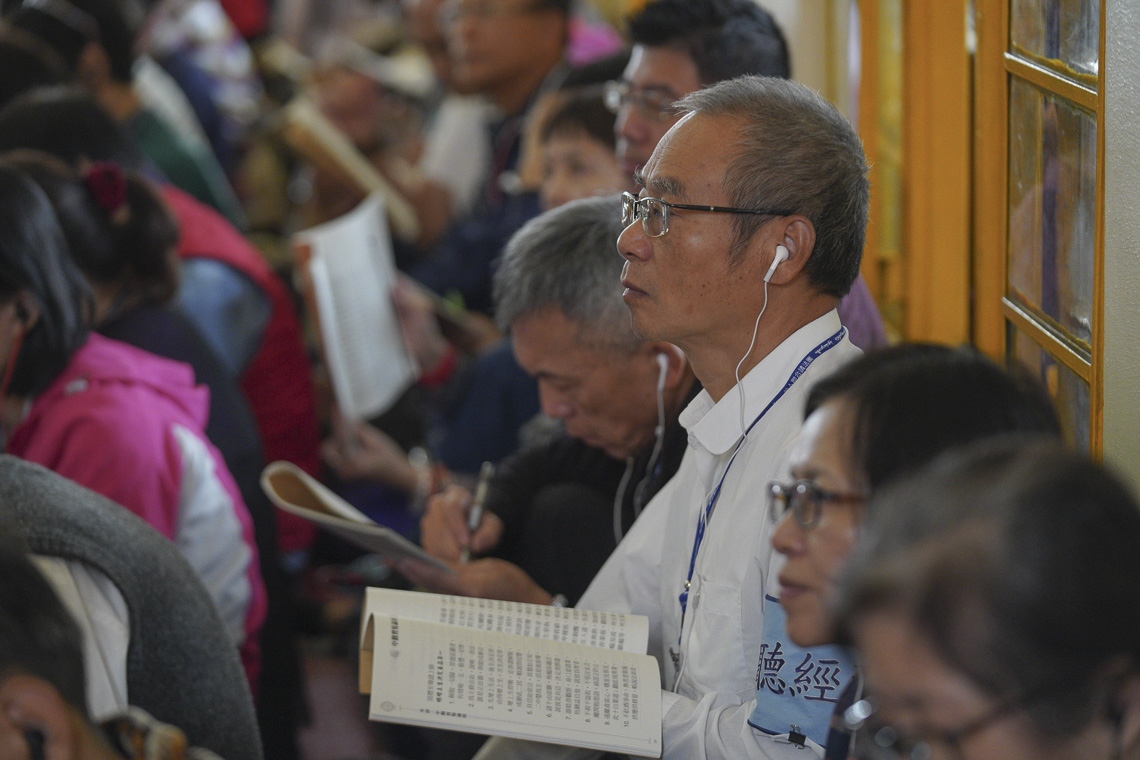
x: 705, y: 515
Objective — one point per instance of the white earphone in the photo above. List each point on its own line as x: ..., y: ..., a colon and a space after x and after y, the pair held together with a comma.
x: 663, y: 363
x: 780, y: 257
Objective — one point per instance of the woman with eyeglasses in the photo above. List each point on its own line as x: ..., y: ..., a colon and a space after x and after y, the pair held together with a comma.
x: 884, y: 415
x: 996, y: 605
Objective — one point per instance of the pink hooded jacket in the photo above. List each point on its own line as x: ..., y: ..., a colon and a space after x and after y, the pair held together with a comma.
x: 128, y: 424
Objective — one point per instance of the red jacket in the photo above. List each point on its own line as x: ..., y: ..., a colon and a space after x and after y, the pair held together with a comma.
x: 277, y: 383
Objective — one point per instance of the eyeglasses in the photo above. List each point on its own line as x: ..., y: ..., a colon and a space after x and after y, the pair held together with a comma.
x: 805, y: 500
x: 454, y: 11
x: 653, y: 104
x: 875, y: 740
x: 654, y: 212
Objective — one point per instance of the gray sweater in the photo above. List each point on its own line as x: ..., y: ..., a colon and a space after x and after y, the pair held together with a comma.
x: 181, y: 666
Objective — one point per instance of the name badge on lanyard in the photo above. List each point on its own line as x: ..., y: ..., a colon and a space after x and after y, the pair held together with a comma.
x: 705, y: 515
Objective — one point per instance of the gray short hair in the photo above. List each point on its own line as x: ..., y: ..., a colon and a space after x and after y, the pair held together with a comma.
x: 796, y: 152
x: 567, y: 259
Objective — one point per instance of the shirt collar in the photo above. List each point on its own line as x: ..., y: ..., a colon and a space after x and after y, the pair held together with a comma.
x: 716, y: 426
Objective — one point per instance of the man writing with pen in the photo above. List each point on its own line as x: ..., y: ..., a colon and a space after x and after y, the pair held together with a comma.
x: 555, y: 511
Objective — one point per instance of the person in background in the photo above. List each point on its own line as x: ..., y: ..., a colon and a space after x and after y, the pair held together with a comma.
x: 578, y: 158
x: 508, y: 51
x: 455, y: 151
x: 97, y: 44
x: 128, y: 257
x: 242, y: 309
x: 878, y: 419
x: 994, y: 604
x: 196, y: 44
x: 680, y: 46
x: 42, y: 689
x: 557, y: 510
x: 118, y: 420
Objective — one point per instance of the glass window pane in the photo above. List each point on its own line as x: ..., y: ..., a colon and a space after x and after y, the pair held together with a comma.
x: 1069, y: 392
x: 1052, y: 209
x: 1064, y: 31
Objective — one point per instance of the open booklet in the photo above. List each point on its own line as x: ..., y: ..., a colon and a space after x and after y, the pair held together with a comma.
x: 527, y: 671
x: 347, y: 275
x: 293, y: 490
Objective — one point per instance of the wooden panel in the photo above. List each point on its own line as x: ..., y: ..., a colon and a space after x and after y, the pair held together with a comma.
x: 868, y: 126
x: 1096, y: 428
x: 990, y: 183
x: 936, y: 142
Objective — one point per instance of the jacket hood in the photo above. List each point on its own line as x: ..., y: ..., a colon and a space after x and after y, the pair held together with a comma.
x: 104, y: 361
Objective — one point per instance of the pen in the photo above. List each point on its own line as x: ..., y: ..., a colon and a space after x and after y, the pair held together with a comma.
x: 475, y: 516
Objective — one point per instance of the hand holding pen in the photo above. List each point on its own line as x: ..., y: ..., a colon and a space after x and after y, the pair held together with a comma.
x: 475, y: 515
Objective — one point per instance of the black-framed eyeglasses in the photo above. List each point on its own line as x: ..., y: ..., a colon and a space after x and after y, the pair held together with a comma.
x: 653, y: 104
x: 876, y: 740
x: 805, y: 500
x: 654, y: 212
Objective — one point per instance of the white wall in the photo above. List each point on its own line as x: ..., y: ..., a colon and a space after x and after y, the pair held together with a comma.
x: 817, y: 35
x: 1122, y: 238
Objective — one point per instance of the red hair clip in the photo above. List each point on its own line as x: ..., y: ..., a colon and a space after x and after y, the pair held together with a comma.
x: 108, y: 187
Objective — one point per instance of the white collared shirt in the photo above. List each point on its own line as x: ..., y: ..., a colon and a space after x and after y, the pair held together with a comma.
x: 719, y: 643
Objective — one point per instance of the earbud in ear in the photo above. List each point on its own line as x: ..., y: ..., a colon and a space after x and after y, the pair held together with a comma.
x: 663, y: 364
x: 780, y: 257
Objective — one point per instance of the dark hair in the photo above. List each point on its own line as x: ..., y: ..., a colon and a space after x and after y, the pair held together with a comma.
x: 67, y: 26
x: 596, y: 72
x: 912, y: 402
x: 1018, y: 564
x: 38, y: 637
x: 725, y: 38
x: 26, y: 63
x: 583, y: 111
x: 136, y: 250
x: 562, y: 6
x: 34, y: 258
x: 67, y: 123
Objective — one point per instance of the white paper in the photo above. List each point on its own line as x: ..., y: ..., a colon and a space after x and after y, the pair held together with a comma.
x: 431, y: 674
x: 608, y: 630
x: 353, y: 275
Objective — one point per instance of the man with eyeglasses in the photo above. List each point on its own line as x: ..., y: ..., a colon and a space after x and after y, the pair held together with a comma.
x: 683, y: 45
x: 507, y: 51
x: 748, y: 230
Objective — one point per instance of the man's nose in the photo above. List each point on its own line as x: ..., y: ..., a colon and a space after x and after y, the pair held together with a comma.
x: 633, y: 243
x: 630, y: 124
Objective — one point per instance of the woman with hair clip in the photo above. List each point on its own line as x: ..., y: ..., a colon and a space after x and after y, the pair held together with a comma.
x: 122, y: 236
x: 994, y: 601
x: 117, y: 420
x: 123, y: 239
x: 880, y: 417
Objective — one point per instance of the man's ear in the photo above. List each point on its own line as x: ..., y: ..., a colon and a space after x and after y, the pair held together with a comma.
x: 797, y: 234
x: 30, y: 705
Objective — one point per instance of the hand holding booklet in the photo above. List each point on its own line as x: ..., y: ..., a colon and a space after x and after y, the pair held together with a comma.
x: 293, y: 490
x: 348, y: 279
x: 548, y: 674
